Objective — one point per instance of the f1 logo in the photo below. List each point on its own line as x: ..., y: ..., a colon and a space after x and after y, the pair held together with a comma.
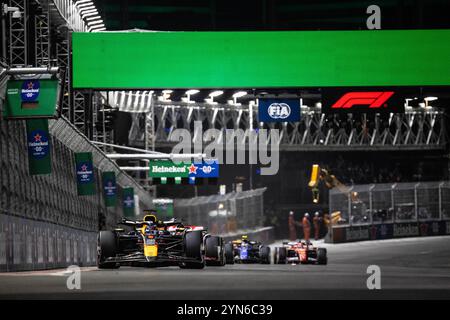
x: 372, y: 99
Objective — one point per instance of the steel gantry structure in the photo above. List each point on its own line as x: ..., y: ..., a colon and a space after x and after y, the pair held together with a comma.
x: 416, y: 129
x: 51, y: 22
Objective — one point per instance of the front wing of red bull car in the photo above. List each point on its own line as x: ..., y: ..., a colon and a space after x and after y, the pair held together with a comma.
x: 153, y: 243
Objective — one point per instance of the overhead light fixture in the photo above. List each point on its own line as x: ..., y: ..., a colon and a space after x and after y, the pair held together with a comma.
x: 85, y: 8
x: 430, y: 98
x: 89, y: 14
x: 189, y: 93
x: 83, y: 12
x: 215, y: 93
x: 84, y: 5
x: 96, y: 26
x: 82, y: 1
x: 93, y: 18
x: 165, y: 95
x: 192, y: 92
x: 94, y: 22
x: 239, y: 94
x: 235, y: 96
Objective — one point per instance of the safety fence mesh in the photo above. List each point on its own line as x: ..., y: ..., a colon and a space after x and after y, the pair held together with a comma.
x: 53, y: 198
x: 223, y: 214
x: 399, y: 202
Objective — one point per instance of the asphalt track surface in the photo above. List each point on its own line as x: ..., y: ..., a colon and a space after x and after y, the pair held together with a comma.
x: 416, y: 268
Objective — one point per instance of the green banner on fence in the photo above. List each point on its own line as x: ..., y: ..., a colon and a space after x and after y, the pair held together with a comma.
x: 109, y: 188
x: 39, y: 150
x: 128, y: 202
x: 85, y: 173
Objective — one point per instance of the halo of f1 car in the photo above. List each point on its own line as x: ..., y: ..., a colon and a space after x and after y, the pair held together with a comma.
x: 155, y: 243
x: 303, y: 252
x: 159, y: 243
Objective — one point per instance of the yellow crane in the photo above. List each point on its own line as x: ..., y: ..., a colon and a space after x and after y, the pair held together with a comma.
x: 319, y: 174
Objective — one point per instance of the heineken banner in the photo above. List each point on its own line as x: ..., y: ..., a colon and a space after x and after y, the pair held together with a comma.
x: 168, y: 169
x: 38, y: 142
x: 31, y: 98
x: 85, y: 173
x: 109, y: 188
x: 128, y: 202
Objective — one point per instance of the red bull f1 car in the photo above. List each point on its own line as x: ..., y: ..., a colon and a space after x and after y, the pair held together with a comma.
x: 246, y: 251
x: 302, y: 252
x: 155, y: 243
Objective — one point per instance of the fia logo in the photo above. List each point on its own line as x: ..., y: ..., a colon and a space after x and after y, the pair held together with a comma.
x: 279, y: 110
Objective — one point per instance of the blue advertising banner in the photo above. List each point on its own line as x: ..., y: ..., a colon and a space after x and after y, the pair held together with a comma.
x: 109, y: 188
x: 204, y: 169
x: 85, y: 173
x: 279, y: 110
x: 38, y: 142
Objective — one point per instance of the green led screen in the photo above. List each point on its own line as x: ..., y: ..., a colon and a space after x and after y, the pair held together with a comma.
x: 134, y: 60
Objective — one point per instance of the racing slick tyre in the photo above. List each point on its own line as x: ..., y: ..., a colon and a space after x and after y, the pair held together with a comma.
x: 264, y: 255
x: 280, y: 255
x: 193, y: 249
x: 214, y: 250
x: 107, y: 248
x: 229, y: 253
x: 322, y: 256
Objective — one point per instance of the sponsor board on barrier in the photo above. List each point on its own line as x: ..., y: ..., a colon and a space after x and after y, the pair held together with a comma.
x: 406, y: 230
x: 389, y: 231
x: 357, y: 234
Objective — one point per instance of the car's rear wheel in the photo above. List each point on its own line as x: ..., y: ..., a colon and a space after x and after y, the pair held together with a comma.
x: 264, y: 255
x: 215, y: 251
x: 193, y: 250
x: 107, y: 244
x: 229, y: 253
x: 280, y: 255
x: 322, y: 256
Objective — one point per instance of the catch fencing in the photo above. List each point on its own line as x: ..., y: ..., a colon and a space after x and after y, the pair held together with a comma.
x: 43, y: 221
x: 224, y: 214
x: 386, y: 211
x: 392, y: 203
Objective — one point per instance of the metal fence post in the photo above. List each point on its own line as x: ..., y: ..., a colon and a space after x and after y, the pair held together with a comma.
x: 393, y: 202
x: 415, y: 200
x: 440, y: 200
x: 370, y: 203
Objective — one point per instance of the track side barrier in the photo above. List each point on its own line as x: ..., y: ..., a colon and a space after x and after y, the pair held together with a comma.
x: 342, y: 234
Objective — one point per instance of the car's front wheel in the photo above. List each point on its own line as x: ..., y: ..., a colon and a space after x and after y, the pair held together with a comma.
x: 322, y: 256
x: 193, y: 249
x: 215, y: 251
x: 264, y: 255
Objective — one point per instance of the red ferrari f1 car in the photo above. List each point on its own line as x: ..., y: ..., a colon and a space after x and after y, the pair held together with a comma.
x: 300, y: 252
